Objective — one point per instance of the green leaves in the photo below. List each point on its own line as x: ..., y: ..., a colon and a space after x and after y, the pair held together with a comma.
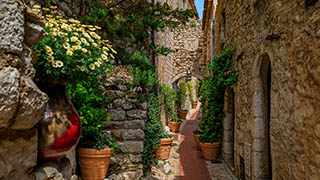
x: 90, y: 104
x: 191, y: 92
x: 212, y: 96
x: 153, y: 131
x: 169, y: 97
x: 129, y: 25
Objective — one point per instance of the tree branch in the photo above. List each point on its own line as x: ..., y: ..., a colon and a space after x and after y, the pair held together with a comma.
x: 116, y: 4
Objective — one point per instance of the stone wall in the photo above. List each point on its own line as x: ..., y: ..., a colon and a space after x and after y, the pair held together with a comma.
x: 187, y: 43
x: 21, y: 102
x: 285, y: 34
x: 126, y: 126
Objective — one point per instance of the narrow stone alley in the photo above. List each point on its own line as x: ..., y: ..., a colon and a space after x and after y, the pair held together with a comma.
x: 192, y: 165
x: 159, y: 90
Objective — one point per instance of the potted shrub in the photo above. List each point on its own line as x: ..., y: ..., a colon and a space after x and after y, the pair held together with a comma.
x: 69, y: 53
x: 175, y: 124
x: 94, y: 149
x: 164, y: 147
x: 181, y: 99
x: 212, y: 99
x: 194, y: 104
x: 196, y: 134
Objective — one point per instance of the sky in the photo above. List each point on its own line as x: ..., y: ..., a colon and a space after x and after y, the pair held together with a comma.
x: 199, y: 5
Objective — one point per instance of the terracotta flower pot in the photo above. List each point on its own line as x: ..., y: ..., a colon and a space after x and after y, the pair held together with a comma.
x: 194, y: 105
x: 174, y: 126
x: 196, y: 139
x: 210, y: 150
x: 164, y: 151
x: 94, y: 163
x: 183, y: 114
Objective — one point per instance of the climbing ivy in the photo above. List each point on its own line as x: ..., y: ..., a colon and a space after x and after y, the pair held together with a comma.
x: 129, y: 24
x: 153, y: 132
x: 212, y: 95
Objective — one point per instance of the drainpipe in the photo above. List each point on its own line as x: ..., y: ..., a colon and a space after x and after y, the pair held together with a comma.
x: 211, y: 40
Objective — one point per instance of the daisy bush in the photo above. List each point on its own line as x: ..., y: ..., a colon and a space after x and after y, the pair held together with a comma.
x: 72, y: 51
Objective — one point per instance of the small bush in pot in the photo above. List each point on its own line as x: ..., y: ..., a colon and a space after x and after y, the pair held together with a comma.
x: 169, y: 97
x: 175, y: 124
x: 194, y: 104
x: 93, y: 145
x: 212, y: 99
x: 181, y: 99
x: 164, y: 147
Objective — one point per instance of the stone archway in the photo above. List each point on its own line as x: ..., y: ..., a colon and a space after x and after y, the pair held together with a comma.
x: 261, y: 152
x: 183, y: 75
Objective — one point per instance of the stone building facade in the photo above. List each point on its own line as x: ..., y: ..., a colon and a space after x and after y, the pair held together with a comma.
x: 187, y: 41
x: 271, y: 128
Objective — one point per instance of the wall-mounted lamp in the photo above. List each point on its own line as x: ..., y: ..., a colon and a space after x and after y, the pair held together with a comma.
x: 189, y: 74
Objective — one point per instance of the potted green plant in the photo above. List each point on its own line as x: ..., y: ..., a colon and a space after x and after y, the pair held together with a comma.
x: 163, y: 150
x: 70, y: 52
x: 194, y: 104
x: 212, y: 99
x: 181, y: 99
x: 93, y: 146
x: 169, y: 97
x: 175, y: 124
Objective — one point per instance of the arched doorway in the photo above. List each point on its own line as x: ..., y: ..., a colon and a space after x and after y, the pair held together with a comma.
x: 262, y: 166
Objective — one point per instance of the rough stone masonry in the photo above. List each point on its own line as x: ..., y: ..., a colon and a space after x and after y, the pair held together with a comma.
x: 285, y: 34
x: 126, y: 126
x: 21, y: 102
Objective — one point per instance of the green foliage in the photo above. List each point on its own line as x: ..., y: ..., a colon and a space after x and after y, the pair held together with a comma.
x: 153, y: 132
x: 87, y: 99
x: 71, y: 51
x: 145, y: 79
x: 212, y: 96
x: 191, y: 92
x: 181, y: 95
x: 169, y: 97
x: 197, y: 131
x: 130, y: 23
x: 198, y: 88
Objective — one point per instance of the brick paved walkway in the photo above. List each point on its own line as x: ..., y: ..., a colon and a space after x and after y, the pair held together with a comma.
x: 192, y: 165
